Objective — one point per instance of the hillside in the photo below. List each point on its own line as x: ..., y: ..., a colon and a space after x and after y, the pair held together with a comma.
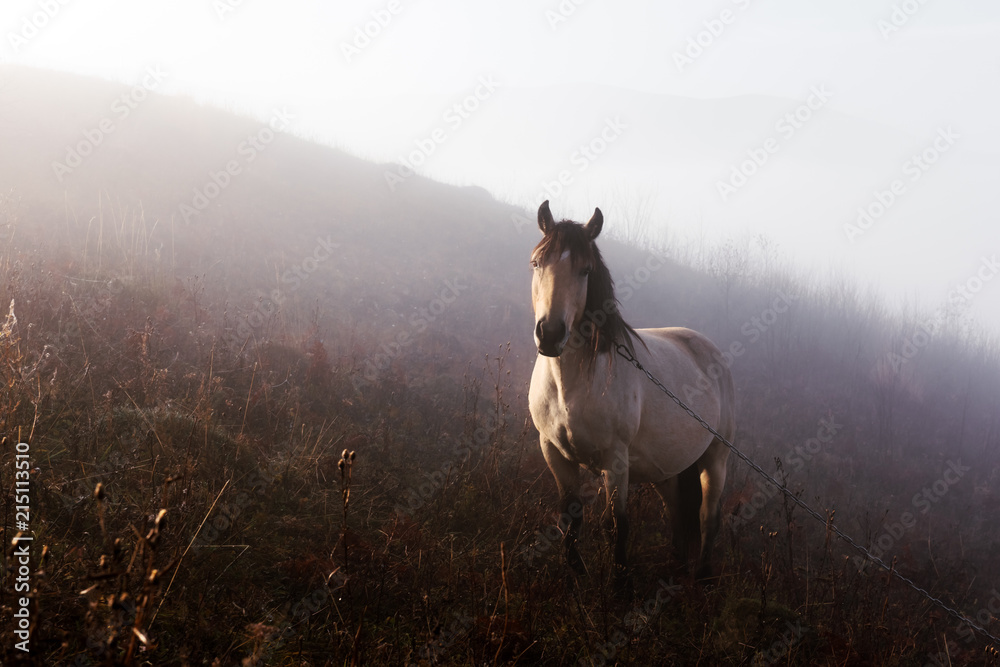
x: 824, y: 160
x: 217, y: 365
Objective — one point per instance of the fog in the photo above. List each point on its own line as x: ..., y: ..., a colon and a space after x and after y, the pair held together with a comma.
x: 696, y: 94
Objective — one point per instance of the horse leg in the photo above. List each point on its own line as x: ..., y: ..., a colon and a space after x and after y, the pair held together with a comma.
x: 712, y: 465
x: 616, y: 486
x: 567, y: 474
x: 681, y: 515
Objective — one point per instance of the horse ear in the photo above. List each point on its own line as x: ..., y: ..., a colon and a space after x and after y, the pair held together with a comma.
x: 545, y: 221
x: 593, y: 228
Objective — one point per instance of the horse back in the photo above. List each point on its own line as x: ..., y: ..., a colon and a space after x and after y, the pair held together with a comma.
x: 694, y: 368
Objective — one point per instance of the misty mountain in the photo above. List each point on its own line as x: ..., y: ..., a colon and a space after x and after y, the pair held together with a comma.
x: 242, y: 205
x: 798, y: 169
x: 219, y: 193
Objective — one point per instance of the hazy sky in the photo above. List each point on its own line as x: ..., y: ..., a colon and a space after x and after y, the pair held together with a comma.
x: 290, y: 51
x: 913, y: 66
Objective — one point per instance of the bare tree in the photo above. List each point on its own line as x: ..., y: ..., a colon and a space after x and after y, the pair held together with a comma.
x: 729, y: 267
x: 631, y: 208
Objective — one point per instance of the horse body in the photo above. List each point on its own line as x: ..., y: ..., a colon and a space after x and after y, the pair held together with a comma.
x: 597, y: 419
x: 592, y: 410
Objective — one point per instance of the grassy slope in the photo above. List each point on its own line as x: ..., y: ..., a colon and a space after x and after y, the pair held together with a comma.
x: 129, y: 367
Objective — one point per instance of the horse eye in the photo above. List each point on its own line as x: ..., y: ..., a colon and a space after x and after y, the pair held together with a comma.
x: 534, y: 264
x: 584, y: 272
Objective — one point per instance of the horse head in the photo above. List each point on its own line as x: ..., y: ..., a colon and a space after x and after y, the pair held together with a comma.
x: 566, y: 264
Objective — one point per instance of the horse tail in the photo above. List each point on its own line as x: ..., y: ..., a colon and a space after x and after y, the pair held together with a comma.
x: 689, y: 495
x: 727, y: 421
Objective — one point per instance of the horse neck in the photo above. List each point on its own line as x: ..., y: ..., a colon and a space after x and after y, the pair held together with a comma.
x: 572, y: 369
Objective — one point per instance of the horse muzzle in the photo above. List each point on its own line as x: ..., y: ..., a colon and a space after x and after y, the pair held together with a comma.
x: 550, y: 337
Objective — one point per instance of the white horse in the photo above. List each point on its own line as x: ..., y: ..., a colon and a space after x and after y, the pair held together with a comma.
x: 592, y: 409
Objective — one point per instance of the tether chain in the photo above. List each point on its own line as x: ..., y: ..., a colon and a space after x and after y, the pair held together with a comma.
x: 624, y: 352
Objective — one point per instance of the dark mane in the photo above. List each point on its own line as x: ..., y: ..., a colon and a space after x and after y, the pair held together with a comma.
x: 602, y: 325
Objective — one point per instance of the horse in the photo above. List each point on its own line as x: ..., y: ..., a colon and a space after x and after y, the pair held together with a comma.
x: 592, y: 410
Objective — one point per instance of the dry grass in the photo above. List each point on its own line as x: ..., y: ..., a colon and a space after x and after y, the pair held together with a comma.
x: 203, y: 503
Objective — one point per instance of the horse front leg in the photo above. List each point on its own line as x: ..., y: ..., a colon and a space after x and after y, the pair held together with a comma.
x: 616, y: 486
x: 567, y: 474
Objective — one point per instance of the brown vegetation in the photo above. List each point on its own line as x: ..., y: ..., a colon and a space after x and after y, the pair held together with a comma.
x: 188, y: 413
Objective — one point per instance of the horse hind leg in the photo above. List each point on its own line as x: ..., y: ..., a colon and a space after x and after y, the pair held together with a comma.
x: 682, y: 499
x: 712, y: 466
